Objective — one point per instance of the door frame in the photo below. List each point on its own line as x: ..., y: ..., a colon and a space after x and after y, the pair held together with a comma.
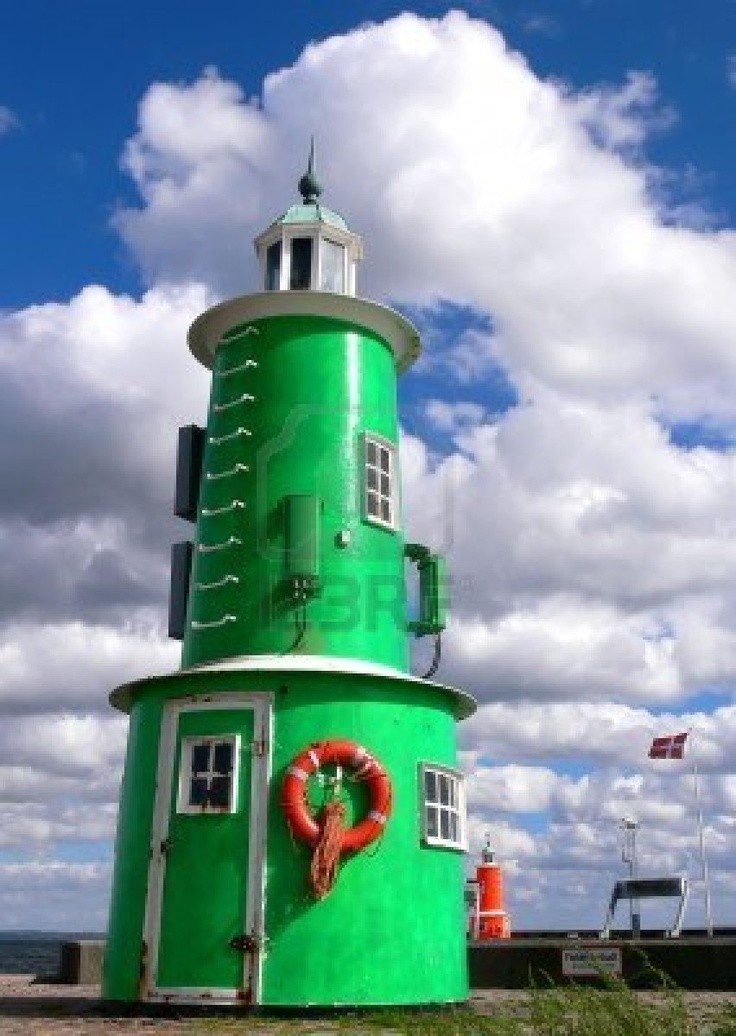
x: 261, y: 704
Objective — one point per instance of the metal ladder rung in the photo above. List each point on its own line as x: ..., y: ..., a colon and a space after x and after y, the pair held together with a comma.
x: 216, y: 440
x: 209, y: 548
x: 216, y: 585
x: 236, y: 370
x: 209, y: 512
x: 245, y: 398
x: 215, y: 622
x: 210, y: 476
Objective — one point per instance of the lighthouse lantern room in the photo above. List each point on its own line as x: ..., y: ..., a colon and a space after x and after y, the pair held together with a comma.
x: 292, y: 819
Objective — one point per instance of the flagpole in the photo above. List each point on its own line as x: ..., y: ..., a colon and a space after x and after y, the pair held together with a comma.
x: 701, y: 840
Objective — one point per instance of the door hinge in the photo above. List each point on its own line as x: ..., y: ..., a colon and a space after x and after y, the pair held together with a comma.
x: 260, y: 747
x: 164, y: 846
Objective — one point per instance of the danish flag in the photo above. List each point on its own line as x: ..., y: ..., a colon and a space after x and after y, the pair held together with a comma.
x: 670, y: 747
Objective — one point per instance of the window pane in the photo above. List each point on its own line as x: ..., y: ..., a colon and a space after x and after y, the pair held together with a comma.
x: 386, y: 511
x: 453, y: 792
x: 444, y: 825
x: 444, y: 789
x: 372, y: 476
x: 371, y: 452
x: 372, y: 504
x: 200, y: 758
x: 333, y: 276
x: 430, y: 786
x: 223, y: 757
x: 431, y: 822
x: 385, y: 485
x: 301, y: 263
x: 273, y: 266
x: 384, y: 459
x: 198, y: 791
x: 454, y: 833
x: 220, y: 792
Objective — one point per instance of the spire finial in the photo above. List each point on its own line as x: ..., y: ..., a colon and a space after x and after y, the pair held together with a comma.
x: 309, y: 186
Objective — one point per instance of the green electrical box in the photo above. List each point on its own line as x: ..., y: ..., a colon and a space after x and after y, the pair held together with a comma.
x: 432, y: 583
x: 302, y: 527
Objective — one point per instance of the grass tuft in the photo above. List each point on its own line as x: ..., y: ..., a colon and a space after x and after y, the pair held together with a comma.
x: 609, y: 1008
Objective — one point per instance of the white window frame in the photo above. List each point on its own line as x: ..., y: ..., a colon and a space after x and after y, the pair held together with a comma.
x: 457, y: 780
x: 188, y: 744
x: 375, y: 519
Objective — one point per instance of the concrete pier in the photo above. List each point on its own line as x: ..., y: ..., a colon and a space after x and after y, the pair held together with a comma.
x: 690, y: 963
x: 81, y: 962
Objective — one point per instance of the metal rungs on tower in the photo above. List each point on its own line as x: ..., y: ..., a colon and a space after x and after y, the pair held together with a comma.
x: 236, y: 370
x: 210, y: 512
x: 245, y: 398
x: 218, y: 583
x: 212, y: 475
x: 209, y: 548
x: 215, y: 622
x: 218, y: 440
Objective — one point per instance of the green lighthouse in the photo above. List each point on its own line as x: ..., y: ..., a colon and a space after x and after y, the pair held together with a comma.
x: 292, y: 820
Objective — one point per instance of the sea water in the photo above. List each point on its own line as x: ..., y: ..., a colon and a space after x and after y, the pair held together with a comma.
x: 35, y: 953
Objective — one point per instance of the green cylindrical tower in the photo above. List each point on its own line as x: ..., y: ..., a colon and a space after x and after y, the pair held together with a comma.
x: 291, y: 604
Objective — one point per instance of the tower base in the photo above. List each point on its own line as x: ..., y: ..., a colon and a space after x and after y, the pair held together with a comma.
x: 211, y: 906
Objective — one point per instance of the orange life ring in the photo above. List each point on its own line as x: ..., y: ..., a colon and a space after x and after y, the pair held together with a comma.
x: 343, y: 753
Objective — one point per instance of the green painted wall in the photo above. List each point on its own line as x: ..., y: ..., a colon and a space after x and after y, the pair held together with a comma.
x: 392, y: 929
x: 317, y: 384
x: 124, y: 947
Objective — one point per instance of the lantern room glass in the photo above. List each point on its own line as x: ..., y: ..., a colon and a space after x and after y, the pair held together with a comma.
x: 332, y: 266
x: 273, y: 266
x: 301, y: 264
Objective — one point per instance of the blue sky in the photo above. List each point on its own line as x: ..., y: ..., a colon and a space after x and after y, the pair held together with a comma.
x: 547, y: 190
x: 73, y: 74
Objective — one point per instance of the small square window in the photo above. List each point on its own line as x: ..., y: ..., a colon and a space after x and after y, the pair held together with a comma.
x: 379, y: 486
x: 208, y: 777
x: 444, y: 821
